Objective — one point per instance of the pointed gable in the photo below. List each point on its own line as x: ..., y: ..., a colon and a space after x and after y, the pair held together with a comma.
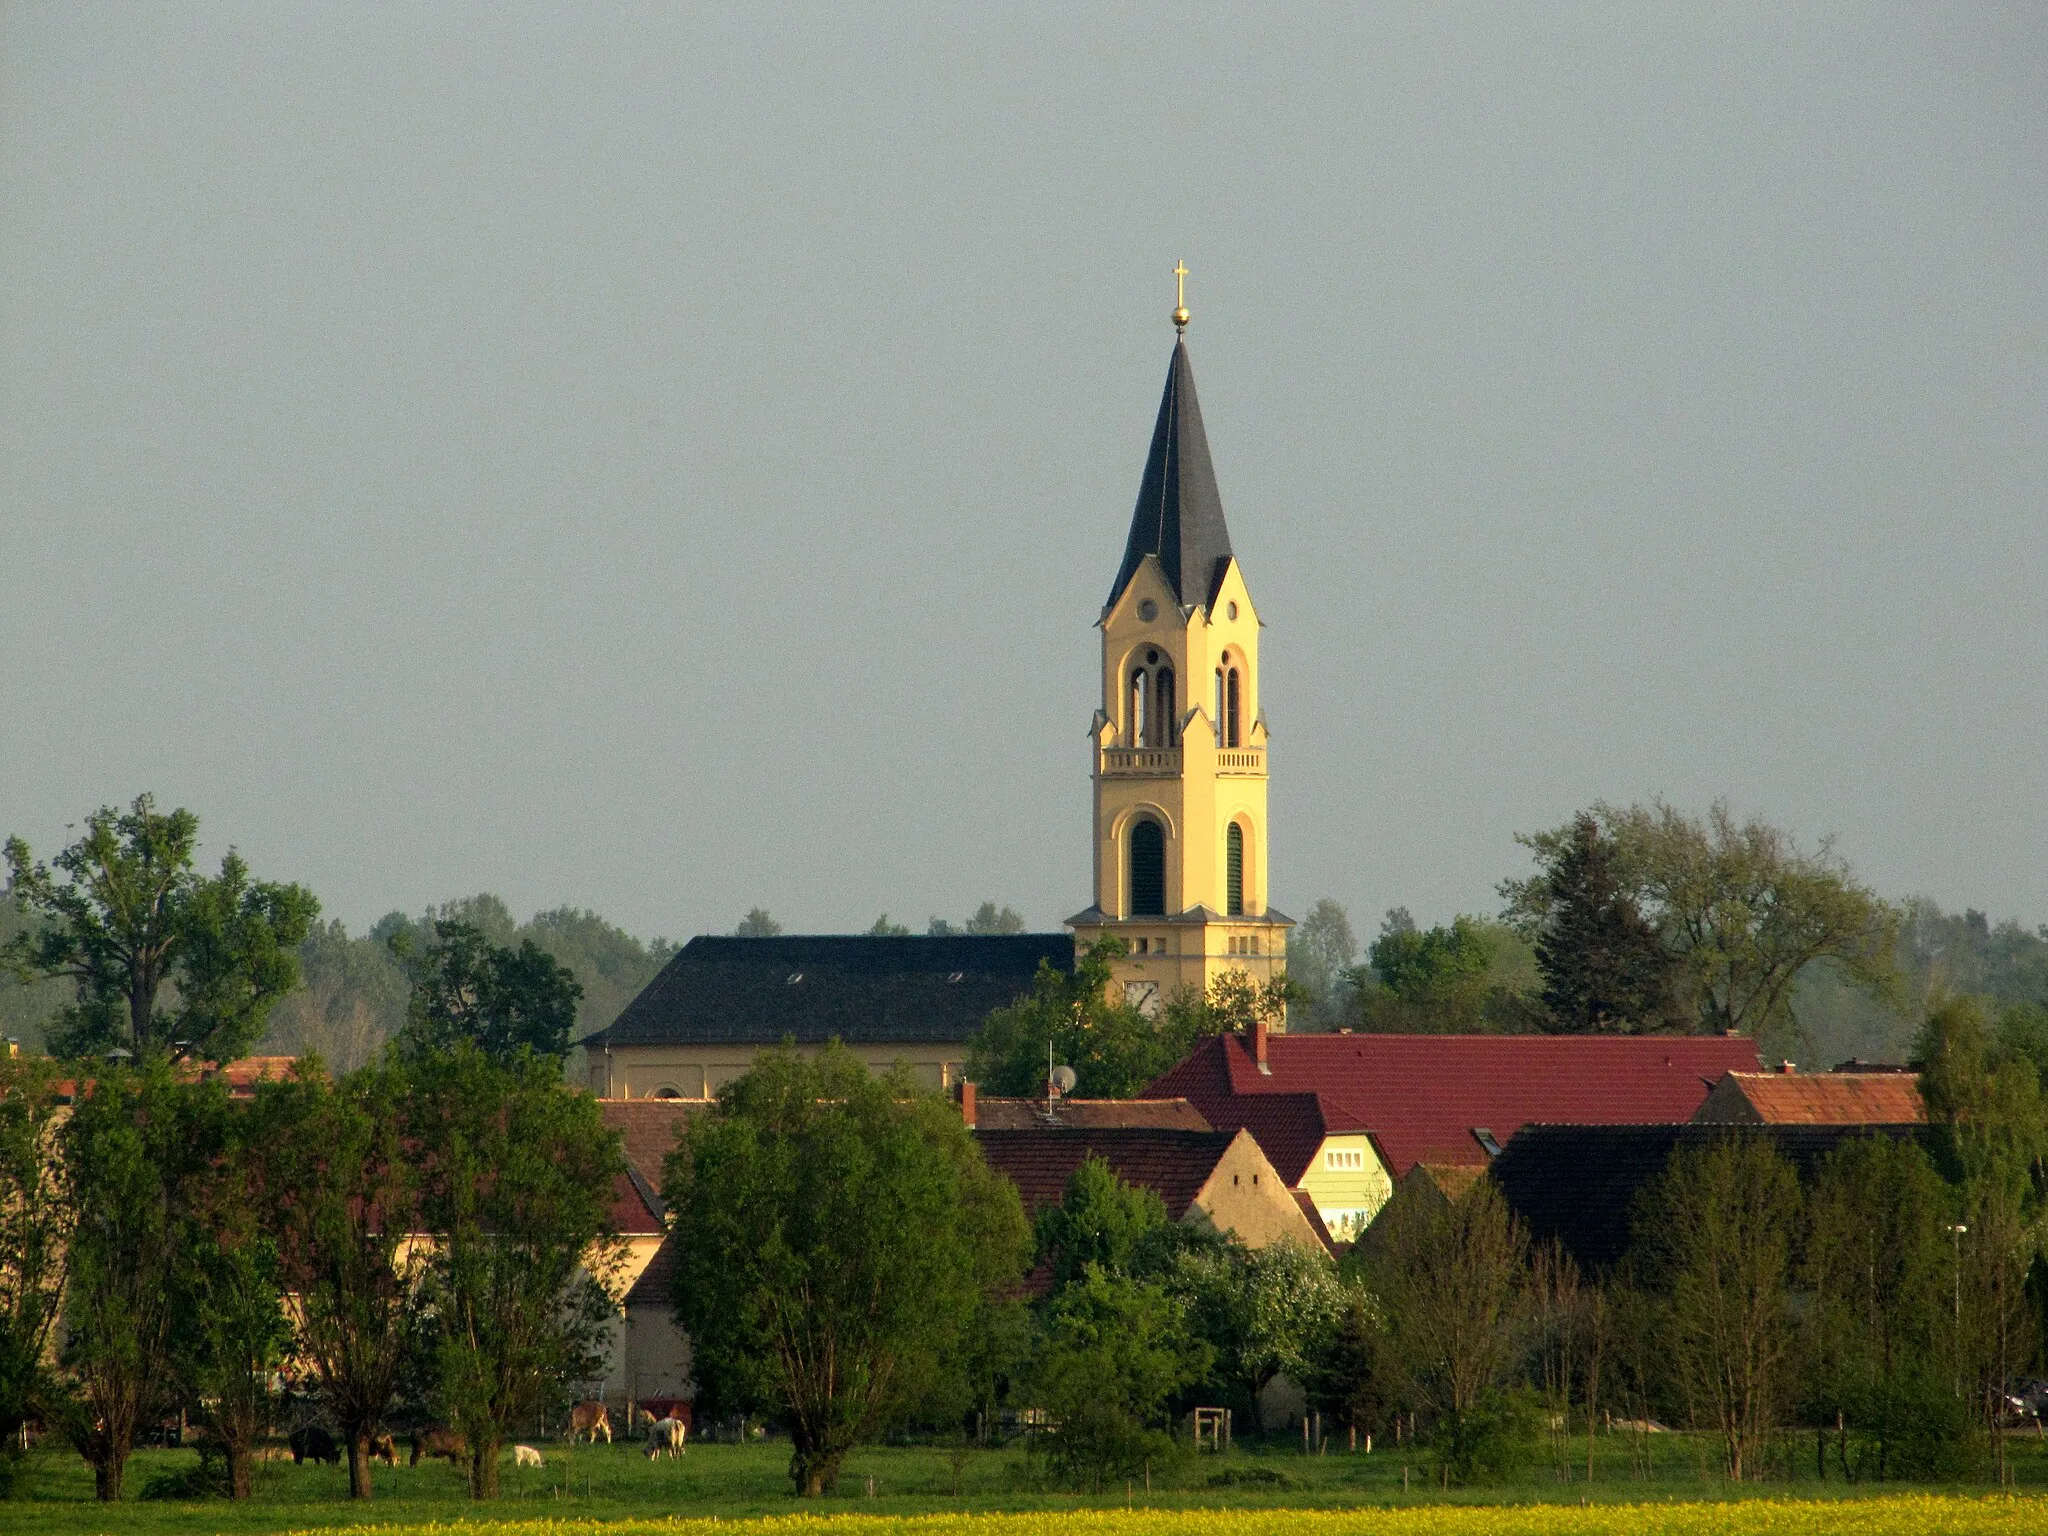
x: 1179, y: 516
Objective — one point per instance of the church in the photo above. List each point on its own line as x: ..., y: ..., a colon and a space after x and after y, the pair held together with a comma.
x: 1178, y: 843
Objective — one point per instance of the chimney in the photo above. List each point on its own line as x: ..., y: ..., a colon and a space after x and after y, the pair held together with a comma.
x: 967, y: 1102
x: 1259, y: 1046
x: 1788, y: 1068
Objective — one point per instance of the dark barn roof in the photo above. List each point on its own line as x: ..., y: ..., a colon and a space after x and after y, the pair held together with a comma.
x: 1179, y: 516
x: 861, y: 989
x: 1578, y: 1183
x: 1173, y: 1164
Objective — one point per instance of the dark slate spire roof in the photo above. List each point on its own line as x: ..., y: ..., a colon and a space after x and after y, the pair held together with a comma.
x: 1180, y: 515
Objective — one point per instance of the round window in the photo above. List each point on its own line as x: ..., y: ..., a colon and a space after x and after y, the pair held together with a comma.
x: 1151, y: 658
x: 1148, y: 610
x: 1233, y: 610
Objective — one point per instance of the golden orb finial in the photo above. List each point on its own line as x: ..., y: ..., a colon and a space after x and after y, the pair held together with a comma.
x: 1180, y: 297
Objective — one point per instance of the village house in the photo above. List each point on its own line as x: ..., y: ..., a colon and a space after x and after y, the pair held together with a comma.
x: 1841, y: 1097
x: 1345, y: 1116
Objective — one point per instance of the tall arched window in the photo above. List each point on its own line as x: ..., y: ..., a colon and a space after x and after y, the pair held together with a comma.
x: 1148, y: 869
x: 1141, y: 698
x: 1233, y: 726
x: 1216, y: 707
x: 1233, y: 871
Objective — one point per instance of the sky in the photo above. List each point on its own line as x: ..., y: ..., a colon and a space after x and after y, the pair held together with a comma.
x: 671, y: 459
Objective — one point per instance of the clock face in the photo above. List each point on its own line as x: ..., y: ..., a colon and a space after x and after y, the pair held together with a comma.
x: 1143, y: 996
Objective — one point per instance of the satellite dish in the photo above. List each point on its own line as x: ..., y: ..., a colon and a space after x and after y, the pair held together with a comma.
x: 1063, y: 1079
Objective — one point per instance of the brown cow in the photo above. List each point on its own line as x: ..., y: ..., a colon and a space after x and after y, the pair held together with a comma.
x: 383, y: 1448
x: 590, y: 1418
x: 438, y: 1441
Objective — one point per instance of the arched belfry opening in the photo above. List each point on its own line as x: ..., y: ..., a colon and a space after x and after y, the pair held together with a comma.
x: 1151, y: 705
x: 1148, y: 868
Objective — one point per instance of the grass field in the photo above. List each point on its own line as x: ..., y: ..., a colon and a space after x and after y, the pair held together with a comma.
x: 923, y: 1492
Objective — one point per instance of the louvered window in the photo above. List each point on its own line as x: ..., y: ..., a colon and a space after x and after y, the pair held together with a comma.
x: 1233, y: 874
x: 1148, y: 869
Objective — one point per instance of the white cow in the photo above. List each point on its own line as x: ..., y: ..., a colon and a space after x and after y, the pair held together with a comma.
x: 526, y: 1456
x: 666, y: 1436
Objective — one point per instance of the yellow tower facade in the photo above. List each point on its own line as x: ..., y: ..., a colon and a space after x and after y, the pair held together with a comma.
x: 1179, y: 744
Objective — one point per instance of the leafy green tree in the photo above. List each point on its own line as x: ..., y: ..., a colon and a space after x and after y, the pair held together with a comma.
x: 989, y: 919
x: 519, y: 1174
x: 1114, y: 1050
x: 1448, y: 1278
x: 1113, y: 1351
x: 1233, y: 1004
x: 502, y: 1000
x: 1990, y: 1123
x: 230, y: 1333
x: 127, y: 1156
x: 124, y: 915
x: 342, y: 1186
x: 1469, y: 977
x: 1715, y: 1235
x: 1741, y: 909
x: 844, y: 1234
x: 884, y: 928
x: 1100, y: 1220
x: 35, y: 1239
x: 1266, y: 1311
x: 1880, y: 1334
x: 757, y: 924
x: 352, y: 999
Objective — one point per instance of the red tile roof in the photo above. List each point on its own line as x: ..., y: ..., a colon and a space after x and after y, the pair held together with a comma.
x: 1828, y: 1098
x: 1422, y: 1096
x: 1088, y: 1115
x: 1173, y: 1164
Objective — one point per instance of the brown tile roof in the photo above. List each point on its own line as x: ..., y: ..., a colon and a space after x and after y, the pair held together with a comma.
x: 1173, y: 1164
x: 650, y: 1127
x: 1830, y: 1098
x: 1088, y: 1115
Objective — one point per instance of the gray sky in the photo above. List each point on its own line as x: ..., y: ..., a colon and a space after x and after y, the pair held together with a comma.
x: 670, y: 460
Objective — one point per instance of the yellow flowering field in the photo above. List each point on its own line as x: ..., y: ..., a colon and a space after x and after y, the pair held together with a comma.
x: 1899, y: 1515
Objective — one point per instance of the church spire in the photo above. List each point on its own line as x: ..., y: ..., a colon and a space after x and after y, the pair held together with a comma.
x: 1179, y: 516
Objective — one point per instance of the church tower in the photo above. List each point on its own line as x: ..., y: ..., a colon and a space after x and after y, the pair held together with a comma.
x: 1179, y: 743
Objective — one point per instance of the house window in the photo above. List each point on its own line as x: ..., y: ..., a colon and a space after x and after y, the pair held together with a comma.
x: 1148, y: 869
x: 1233, y: 866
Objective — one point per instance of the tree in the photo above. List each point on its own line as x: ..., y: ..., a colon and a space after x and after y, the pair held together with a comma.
x: 1605, y: 969
x: 1100, y: 1220
x: 35, y: 1240
x: 1714, y: 1235
x: 1114, y: 1050
x: 502, y: 1000
x: 340, y: 1180
x: 1880, y: 1332
x: 844, y: 1233
x: 1468, y: 977
x: 124, y: 914
x: 757, y: 924
x: 885, y: 929
x: 1447, y: 1274
x: 230, y: 1332
x: 1350, y: 1376
x: 519, y: 1173
x: 1112, y: 1352
x: 987, y: 919
x: 1320, y: 953
x: 127, y: 1154
x: 1985, y: 1105
x: 1267, y: 1311
x: 1740, y: 908
x: 1233, y: 1005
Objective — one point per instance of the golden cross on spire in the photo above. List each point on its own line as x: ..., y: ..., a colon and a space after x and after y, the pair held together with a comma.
x: 1180, y: 297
